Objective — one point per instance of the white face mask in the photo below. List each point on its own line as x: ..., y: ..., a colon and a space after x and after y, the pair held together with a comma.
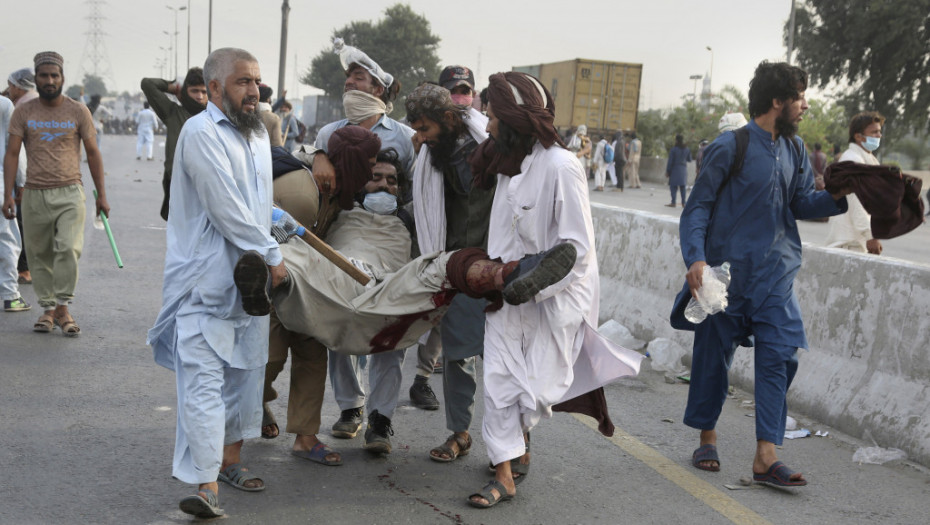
x: 381, y: 202
x: 360, y: 106
x: 871, y: 143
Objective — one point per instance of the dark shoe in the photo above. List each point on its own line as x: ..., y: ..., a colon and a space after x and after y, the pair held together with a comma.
x: 252, y: 278
x: 422, y: 395
x: 536, y: 272
x: 377, y: 436
x: 350, y: 422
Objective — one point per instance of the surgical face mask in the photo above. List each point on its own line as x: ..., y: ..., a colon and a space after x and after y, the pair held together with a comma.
x: 462, y: 99
x: 381, y: 202
x: 871, y: 143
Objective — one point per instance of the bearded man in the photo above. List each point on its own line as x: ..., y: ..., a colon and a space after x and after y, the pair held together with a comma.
x: 749, y: 220
x: 451, y: 213
x: 539, y: 353
x: 52, y: 128
x: 220, y: 208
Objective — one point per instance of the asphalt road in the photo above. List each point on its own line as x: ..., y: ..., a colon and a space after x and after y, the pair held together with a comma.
x: 88, y: 429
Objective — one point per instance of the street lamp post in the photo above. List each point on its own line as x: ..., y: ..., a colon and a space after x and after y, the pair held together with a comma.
x: 176, y: 9
x: 188, y: 34
x: 168, y: 56
x: 164, y: 63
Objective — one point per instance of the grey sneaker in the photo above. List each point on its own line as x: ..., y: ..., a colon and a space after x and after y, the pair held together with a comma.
x: 536, y: 272
x: 422, y: 394
x: 16, y: 305
x: 377, y: 436
x: 350, y: 422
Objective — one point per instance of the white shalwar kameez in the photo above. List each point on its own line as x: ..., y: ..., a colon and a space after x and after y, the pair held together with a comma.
x: 221, y: 197
x: 544, y: 351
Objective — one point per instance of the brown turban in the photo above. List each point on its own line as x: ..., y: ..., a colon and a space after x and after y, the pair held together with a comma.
x: 522, y: 103
x: 350, y: 150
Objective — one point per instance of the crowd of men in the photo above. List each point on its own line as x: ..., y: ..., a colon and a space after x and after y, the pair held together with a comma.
x: 464, y: 231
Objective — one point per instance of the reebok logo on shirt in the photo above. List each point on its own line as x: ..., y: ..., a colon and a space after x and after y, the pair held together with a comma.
x: 39, y: 124
x: 48, y: 137
x: 50, y: 124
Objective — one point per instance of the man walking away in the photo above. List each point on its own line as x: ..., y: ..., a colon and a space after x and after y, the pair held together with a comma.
x: 145, y: 132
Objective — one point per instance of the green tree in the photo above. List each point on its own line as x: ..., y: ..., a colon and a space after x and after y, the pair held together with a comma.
x: 878, y: 52
x: 824, y: 123
x: 92, y: 85
x: 401, y: 43
x: 914, y: 148
x: 657, y: 128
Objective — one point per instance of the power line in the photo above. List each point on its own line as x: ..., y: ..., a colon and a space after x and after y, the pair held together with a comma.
x: 95, y: 60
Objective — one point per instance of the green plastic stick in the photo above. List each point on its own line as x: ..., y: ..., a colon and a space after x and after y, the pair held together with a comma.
x: 106, y: 226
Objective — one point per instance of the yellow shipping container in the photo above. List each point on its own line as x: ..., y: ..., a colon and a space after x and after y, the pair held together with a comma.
x: 602, y: 95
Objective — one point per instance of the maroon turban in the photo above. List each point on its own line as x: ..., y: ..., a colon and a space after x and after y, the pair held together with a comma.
x: 350, y: 150
x: 521, y: 102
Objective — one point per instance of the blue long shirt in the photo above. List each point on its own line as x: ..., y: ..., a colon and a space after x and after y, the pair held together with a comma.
x: 393, y: 134
x: 677, y: 166
x: 221, y: 195
x: 752, y: 224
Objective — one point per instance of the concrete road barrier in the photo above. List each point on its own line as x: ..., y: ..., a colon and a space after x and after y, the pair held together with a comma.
x: 867, y: 318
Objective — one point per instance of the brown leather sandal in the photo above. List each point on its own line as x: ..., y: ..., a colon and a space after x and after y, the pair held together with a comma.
x: 463, y: 444
x: 68, y: 327
x: 44, y: 324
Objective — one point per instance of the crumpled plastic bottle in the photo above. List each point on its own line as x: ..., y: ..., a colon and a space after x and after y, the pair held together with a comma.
x: 712, y: 295
x: 284, y: 226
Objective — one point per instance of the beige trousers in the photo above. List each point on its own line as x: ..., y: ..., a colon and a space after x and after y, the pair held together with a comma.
x: 53, y: 233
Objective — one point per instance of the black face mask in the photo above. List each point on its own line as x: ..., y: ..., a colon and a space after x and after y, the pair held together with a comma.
x: 190, y: 104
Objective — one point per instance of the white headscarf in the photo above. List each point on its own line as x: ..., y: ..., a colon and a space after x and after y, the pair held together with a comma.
x: 349, y: 55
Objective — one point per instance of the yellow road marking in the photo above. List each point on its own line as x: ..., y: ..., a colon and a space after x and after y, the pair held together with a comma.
x: 700, y: 489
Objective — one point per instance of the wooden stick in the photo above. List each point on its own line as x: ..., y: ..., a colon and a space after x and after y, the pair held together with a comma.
x: 335, y: 257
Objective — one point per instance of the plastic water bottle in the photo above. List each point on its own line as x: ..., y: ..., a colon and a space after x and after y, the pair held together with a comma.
x: 712, y: 295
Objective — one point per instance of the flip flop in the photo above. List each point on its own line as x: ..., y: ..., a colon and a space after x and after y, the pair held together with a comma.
x: 317, y: 454
x: 778, y: 476
x: 268, y: 420
x: 706, y: 452
x: 489, y: 496
x: 236, y: 475
x: 196, y: 505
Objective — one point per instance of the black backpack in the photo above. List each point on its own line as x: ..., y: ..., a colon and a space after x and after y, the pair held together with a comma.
x: 742, y: 144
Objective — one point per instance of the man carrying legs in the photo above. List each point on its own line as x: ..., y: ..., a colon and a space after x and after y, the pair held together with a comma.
x: 220, y: 207
x: 451, y: 213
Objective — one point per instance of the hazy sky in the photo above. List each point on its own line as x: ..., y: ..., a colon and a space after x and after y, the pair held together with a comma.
x: 668, y: 37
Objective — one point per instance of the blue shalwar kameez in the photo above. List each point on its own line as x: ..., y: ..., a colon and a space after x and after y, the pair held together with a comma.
x: 220, y: 206
x: 751, y: 224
